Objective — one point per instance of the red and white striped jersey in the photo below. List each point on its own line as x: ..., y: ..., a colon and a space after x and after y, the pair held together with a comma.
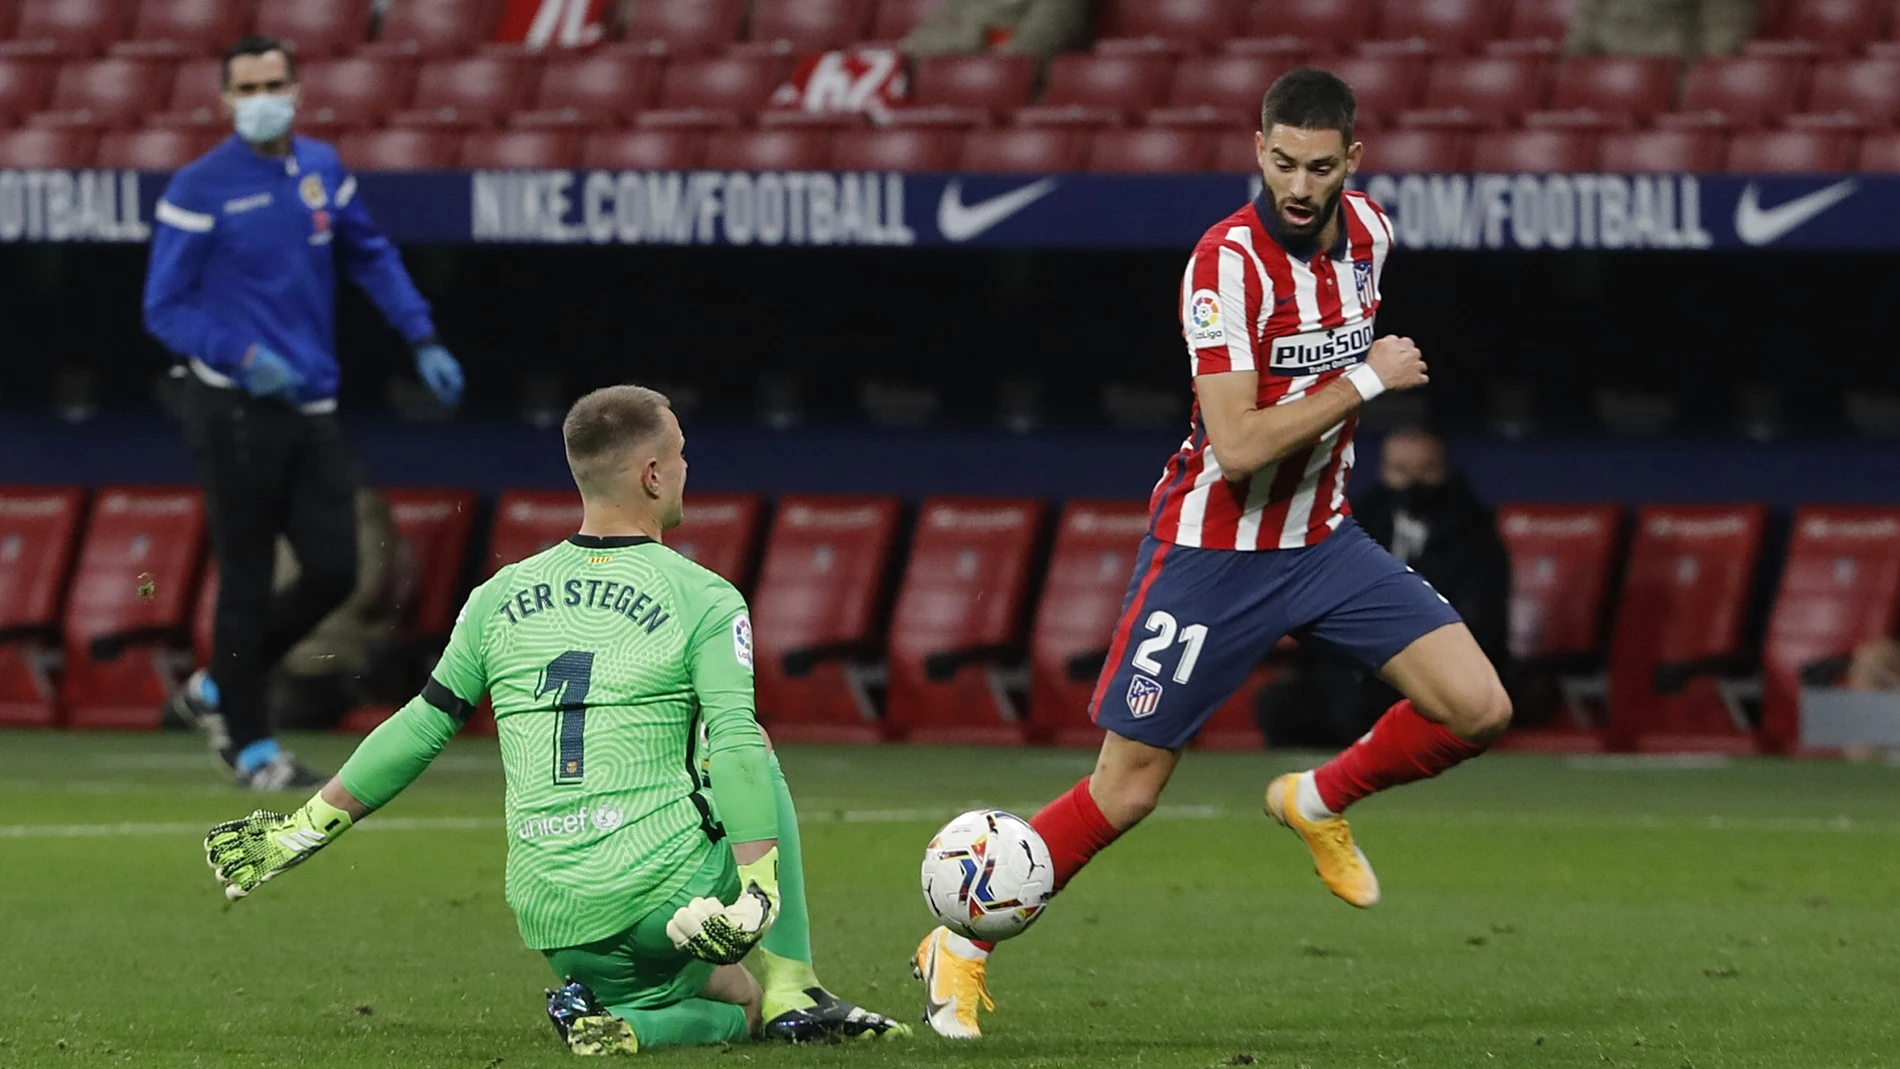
x: 1246, y: 305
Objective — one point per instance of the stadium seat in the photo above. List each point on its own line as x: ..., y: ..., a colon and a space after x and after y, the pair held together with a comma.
x: 1535, y: 151
x: 1149, y: 151
x: 24, y: 85
x: 196, y: 98
x: 161, y: 149
x: 1491, y: 89
x: 66, y: 28
x: 1739, y: 92
x: 941, y: 117
x: 1234, y: 154
x: 1840, y: 588
x: 1863, y: 92
x: 316, y: 31
x: 1022, y: 149
x: 1437, y: 25
x: 816, y: 615
x: 1383, y: 85
x: 1317, y: 26
x: 425, y: 28
x: 467, y: 92
x: 958, y: 621
x: 1563, y: 562
x: 38, y: 530
x: 721, y: 533
x: 729, y: 83
x: 1685, y: 605
x: 1075, y: 116
x: 1421, y: 151
x: 1789, y: 151
x: 896, y: 150
x: 684, y: 27
x: 411, y: 149
x: 1612, y: 90
x: 1545, y: 21
x: 817, y: 122
x: 705, y: 120
x: 1081, y: 600
x: 436, y: 524
x: 527, y: 522
x: 1879, y: 153
x: 994, y: 83
x: 644, y: 150
x: 1231, y: 84
x: 47, y: 147
x: 1194, y: 24
x: 1843, y: 23
x: 600, y: 90
x: 182, y: 29
x: 768, y: 150
x: 204, y: 616
x: 1128, y: 84
x: 355, y: 91
x: 125, y: 631
x: 799, y: 26
x: 530, y: 149
x: 1653, y: 151
x: 106, y: 92
x: 894, y: 19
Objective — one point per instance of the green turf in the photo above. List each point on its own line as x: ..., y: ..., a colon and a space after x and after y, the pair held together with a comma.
x: 1539, y: 912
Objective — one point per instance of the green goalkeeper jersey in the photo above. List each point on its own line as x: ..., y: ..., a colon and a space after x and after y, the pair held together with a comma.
x: 608, y: 660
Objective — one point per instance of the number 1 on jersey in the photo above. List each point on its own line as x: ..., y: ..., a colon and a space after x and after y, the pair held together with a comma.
x: 568, y: 678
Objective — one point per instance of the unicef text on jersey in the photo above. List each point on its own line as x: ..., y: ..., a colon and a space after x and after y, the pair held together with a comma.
x: 689, y: 208
x: 101, y: 206
x: 1542, y: 211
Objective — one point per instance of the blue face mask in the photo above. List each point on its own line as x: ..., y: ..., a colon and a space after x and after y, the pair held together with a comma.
x: 264, y: 116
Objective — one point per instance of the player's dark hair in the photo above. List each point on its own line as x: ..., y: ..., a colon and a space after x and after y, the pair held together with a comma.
x: 603, y: 425
x: 1310, y: 99
x: 257, y: 46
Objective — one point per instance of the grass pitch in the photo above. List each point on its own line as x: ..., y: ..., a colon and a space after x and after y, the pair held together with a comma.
x: 1539, y: 912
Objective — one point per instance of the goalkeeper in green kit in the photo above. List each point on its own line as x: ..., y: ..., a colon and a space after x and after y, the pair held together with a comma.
x: 652, y: 839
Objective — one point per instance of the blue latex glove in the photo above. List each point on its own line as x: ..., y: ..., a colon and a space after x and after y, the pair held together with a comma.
x: 265, y: 374
x: 440, y: 371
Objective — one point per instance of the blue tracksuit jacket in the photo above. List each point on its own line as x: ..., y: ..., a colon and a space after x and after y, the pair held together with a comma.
x: 245, y: 253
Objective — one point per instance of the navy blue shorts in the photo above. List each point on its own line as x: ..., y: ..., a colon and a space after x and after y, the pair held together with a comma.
x: 1196, y: 621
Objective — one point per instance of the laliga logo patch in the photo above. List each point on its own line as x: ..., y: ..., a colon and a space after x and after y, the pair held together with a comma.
x: 742, y: 639
x: 1205, y: 330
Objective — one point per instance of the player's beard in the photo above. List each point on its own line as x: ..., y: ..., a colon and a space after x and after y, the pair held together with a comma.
x: 1300, y: 240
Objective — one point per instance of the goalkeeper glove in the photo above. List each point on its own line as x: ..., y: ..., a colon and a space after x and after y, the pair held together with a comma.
x: 266, y: 374
x: 244, y: 854
x: 439, y: 372
x: 710, y: 930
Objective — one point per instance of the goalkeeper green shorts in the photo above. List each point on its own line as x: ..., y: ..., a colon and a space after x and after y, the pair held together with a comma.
x: 639, y: 969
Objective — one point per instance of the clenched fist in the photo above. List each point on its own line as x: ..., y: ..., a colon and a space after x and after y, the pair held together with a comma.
x: 1398, y: 362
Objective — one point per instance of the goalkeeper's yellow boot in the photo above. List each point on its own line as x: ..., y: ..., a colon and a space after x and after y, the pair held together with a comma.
x: 953, y: 985
x: 1337, y: 859
x: 585, y: 1025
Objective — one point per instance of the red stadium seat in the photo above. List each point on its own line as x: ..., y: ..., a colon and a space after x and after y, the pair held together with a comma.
x: 1879, y: 153
x: 1449, y: 25
x: 436, y: 525
x: 411, y: 149
x: 316, y: 31
x: 894, y: 19
x: 1490, y: 89
x: 196, y: 98
x: 529, y: 149
x: 469, y: 91
x: 529, y: 521
x: 940, y: 117
x: 1197, y: 24
x: 180, y: 29
x: 1789, y: 151
x: 47, y: 147
x: 1149, y: 151
x: 1540, y: 20
x: 204, y: 616
x: 818, y: 122
x: 1741, y: 92
x: 684, y: 27
x: 721, y: 533
x: 1840, y: 588
x: 730, y: 83
x: 959, y: 618
x: 1865, y: 92
x: 355, y: 91
x: 996, y: 83
x: 1232, y: 84
x: 435, y: 27
x: 816, y: 615
x: 1316, y: 25
x: 705, y: 120
x: 24, y: 85
x: 1423, y: 151
x: 1685, y: 601
x: 1081, y: 600
x: 768, y: 150
x: 38, y: 530
x: 1382, y: 85
x: 808, y: 25
x: 1535, y: 150
x: 644, y: 150
x: 1653, y: 151
x: 1234, y: 154
x: 1615, y: 89
x: 1022, y: 149
x: 1071, y: 115
x: 919, y: 149
x: 66, y: 28
x: 125, y: 650
x: 163, y: 149
x: 1563, y: 561
x: 107, y: 92
x: 1847, y: 23
x: 598, y: 90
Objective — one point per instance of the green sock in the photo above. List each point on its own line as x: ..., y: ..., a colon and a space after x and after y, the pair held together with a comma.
x: 786, y: 950
x: 694, y: 1022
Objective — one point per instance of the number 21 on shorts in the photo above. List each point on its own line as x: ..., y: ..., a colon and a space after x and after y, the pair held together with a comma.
x: 1164, y: 630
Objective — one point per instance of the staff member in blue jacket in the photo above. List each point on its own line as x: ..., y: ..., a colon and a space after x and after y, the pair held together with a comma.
x: 242, y: 286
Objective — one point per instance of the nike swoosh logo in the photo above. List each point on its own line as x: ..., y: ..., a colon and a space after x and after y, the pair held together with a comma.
x: 932, y: 1004
x: 1758, y: 226
x: 961, y: 222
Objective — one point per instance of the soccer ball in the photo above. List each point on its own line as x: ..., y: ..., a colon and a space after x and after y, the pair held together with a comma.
x: 987, y: 875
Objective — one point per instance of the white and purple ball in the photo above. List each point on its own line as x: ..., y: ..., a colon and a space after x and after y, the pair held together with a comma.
x: 987, y: 875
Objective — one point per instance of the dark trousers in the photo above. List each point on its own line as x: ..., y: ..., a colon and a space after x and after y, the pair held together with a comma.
x: 267, y: 470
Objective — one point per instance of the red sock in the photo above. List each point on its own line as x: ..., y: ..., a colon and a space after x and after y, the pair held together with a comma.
x: 1075, y: 829
x: 1403, y: 747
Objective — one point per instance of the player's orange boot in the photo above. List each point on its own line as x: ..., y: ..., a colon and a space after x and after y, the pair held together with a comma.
x: 953, y: 986
x: 1337, y: 859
